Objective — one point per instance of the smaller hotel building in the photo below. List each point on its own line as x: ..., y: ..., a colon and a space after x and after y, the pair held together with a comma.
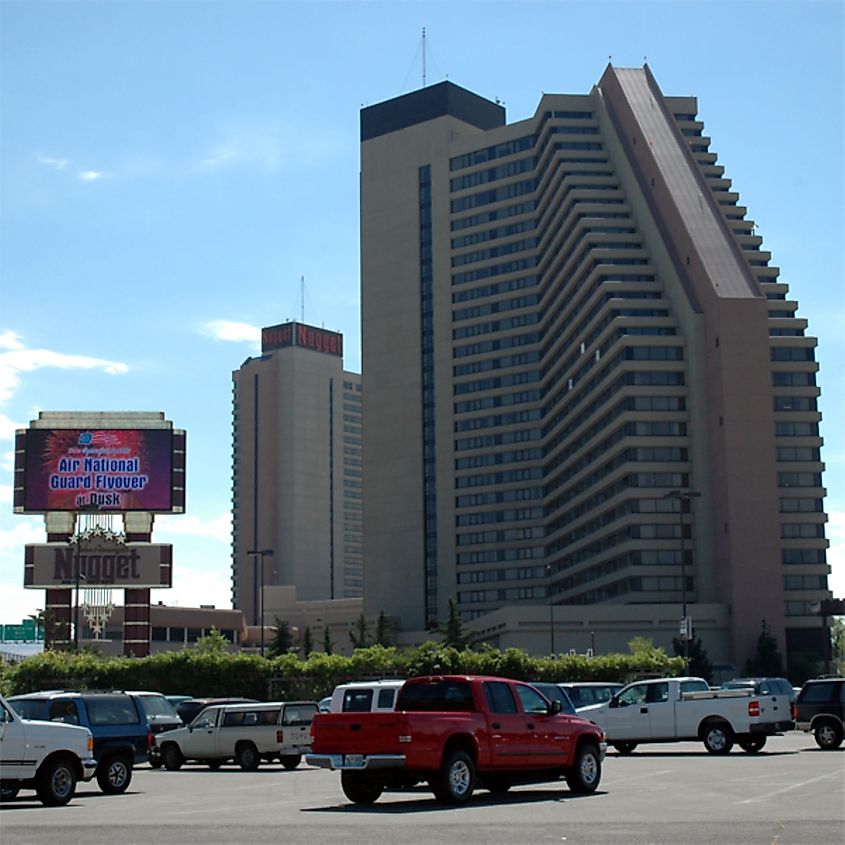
x: 296, y: 472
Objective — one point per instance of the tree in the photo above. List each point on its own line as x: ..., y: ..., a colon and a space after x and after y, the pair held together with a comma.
x: 384, y: 630
x: 699, y: 663
x: 212, y: 643
x: 328, y: 645
x: 46, y: 622
x: 360, y: 637
x: 453, y: 630
x: 767, y: 660
x: 837, y: 643
x: 282, y: 639
x: 307, y: 642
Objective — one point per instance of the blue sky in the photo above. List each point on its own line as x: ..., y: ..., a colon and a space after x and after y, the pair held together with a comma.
x: 171, y: 170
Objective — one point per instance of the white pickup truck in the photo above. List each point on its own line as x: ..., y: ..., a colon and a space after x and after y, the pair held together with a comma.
x: 246, y: 733
x: 677, y: 709
x: 48, y: 757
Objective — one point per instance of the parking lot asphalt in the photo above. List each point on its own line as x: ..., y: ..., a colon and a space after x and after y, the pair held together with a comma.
x: 791, y: 792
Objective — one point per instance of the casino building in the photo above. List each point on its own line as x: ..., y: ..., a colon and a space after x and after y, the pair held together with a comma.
x: 296, y: 472
x: 590, y: 398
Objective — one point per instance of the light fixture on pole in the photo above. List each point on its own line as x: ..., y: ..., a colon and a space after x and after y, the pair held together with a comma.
x: 686, y: 623
x: 261, y: 553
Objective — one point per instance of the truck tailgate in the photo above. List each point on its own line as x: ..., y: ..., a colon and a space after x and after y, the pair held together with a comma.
x: 358, y: 733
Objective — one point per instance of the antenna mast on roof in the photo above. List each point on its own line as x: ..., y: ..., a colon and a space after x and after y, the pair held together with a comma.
x: 302, y: 298
x: 423, y: 52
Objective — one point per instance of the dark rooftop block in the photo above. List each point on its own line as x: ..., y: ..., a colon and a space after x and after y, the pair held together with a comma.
x: 445, y: 98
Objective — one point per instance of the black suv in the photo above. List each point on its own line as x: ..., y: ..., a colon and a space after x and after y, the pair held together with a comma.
x: 189, y: 709
x: 122, y: 737
x: 819, y: 708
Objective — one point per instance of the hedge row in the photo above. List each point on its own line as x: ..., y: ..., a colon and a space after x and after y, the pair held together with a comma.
x: 197, y: 673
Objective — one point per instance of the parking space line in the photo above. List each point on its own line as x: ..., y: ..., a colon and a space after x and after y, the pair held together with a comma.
x: 789, y: 788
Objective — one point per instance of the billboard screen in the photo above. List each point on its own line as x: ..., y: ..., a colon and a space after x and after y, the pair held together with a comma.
x: 110, y: 470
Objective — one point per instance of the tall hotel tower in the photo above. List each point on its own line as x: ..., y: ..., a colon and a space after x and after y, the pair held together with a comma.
x: 585, y: 383
x: 297, y: 487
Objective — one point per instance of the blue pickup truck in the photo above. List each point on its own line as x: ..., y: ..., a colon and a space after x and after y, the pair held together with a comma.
x: 117, y: 721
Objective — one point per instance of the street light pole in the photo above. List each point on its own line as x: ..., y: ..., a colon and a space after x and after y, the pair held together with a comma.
x: 683, y: 496
x: 261, y: 553
x: 76, y: 575
x: 551, y: 610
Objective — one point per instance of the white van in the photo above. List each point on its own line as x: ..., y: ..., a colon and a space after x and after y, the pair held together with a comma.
x: 365, y: 696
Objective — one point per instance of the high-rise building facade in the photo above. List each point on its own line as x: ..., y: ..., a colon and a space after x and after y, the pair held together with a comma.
x: 585, y: 382
x: 296, y: 470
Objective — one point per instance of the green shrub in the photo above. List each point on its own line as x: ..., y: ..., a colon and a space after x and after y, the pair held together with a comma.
x: 215, y: 673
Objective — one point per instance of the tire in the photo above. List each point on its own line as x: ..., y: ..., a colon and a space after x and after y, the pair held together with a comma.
x: 718, y: 738
x: 828, y: 735
x: 214, y: 765
x: 360, y: 789
x: 114, y: 774
x: 247, y: 756
x: 751, y: 744
x: 585, y: 775
x: 55, y: 782
x: 290, y: 761
x: 455, y: 781
x: 9, y: 793
x: 624, y: 747
x: 155, y: 762
x: 171, y: 756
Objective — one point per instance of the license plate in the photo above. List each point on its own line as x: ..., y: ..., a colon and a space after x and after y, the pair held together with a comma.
x: 356, y: 760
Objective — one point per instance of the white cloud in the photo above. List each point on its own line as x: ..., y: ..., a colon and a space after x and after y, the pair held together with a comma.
x: 193, y: 587
x: 55, y: 163
x: 232, y: 331
x: 24, y: 531
x: 90, y: 175
x: 10, y: 340
x: 217, y: 528
x: 220, y: 157
x: 17, y: 359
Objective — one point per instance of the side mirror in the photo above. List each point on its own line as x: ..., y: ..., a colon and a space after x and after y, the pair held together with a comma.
x: 554, y: 707
x: 614, y: 702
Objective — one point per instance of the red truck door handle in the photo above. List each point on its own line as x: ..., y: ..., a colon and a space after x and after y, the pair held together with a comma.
x: 530, y: 726
x: 495, y: 725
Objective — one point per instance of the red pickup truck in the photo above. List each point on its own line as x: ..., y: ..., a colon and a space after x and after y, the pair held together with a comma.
x: 456, y: 732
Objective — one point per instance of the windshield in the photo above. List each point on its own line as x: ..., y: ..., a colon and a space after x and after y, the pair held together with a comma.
x: 158, y: 705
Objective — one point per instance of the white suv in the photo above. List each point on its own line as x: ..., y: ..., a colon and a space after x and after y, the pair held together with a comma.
x: 365, y: 696
x: 48, y: 757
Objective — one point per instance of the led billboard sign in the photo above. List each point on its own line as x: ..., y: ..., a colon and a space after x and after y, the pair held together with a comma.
x: 110, y: 470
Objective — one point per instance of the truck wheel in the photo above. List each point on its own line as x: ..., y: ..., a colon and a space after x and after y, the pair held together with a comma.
x: 717, y: 737
x: 828, y: 735
x: 114, y: 774
x: 172, y: 757
x: 585, y: 775
x: 751, y: 744
x: 624, y: 747
x: 9, y: 793
x: 247, y: 756
x: 55, y: 782
x: 360, y: 789
x: 155, y: 762
x: 455, y: 781
x: 290, y: 761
